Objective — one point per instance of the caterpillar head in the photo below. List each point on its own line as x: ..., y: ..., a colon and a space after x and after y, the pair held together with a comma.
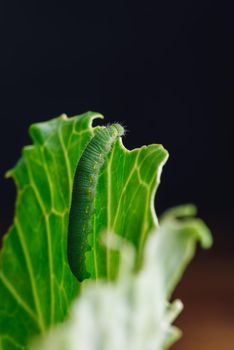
x: 118, y: 128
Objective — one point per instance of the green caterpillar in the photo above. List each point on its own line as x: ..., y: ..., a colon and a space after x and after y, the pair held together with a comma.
x: 83, y: 194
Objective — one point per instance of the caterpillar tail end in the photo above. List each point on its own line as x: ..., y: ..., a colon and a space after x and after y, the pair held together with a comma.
x: 78, y: 271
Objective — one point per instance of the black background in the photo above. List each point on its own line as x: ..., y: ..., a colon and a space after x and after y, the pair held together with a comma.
x: 165, y: 69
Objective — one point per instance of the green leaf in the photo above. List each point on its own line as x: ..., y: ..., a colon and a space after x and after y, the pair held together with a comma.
x: 141, y: 316
x: 179, y: 233
x: 36, y: 284
x: 125, y: 203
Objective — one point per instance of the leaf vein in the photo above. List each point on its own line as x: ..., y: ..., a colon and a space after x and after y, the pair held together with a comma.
x: 9, y: 287
x: 48, y: 235
x: 30, y: 271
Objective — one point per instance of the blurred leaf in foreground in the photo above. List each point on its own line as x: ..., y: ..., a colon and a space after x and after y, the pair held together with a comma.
x: 133, y: 312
